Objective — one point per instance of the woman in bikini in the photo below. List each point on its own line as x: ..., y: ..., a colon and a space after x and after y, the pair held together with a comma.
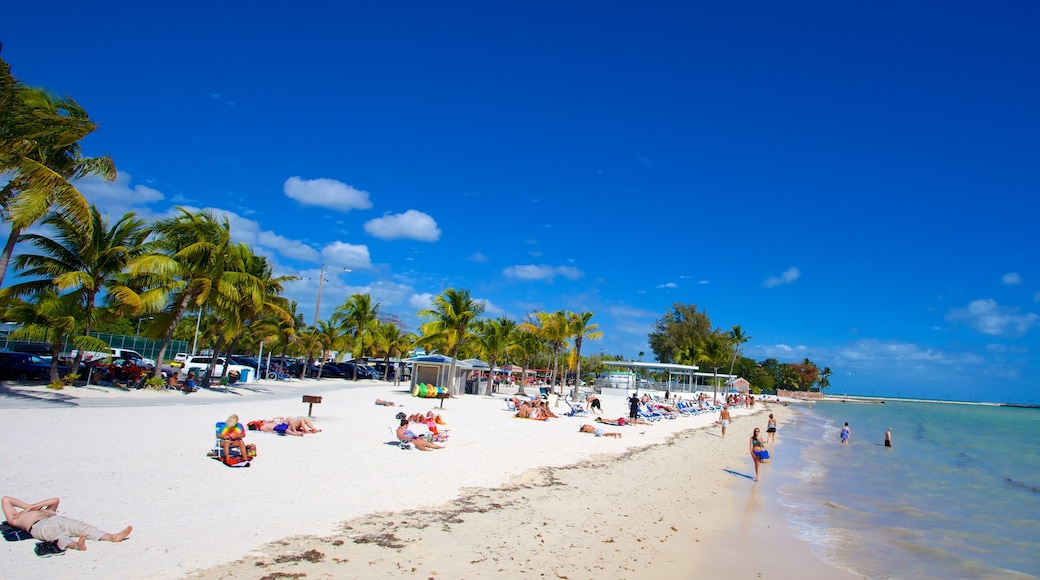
x: 405, y: 434
x: 771, y: 428
x: 757, y: 447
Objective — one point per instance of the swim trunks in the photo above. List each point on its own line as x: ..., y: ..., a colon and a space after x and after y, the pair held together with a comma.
x: 725, y: 422
x: 598, y: 432
x: 64, y: 530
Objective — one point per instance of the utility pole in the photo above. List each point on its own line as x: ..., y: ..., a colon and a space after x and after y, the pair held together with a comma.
x: 317, y: 304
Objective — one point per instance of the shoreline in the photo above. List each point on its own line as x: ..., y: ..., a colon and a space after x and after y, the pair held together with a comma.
x: 145, y: 465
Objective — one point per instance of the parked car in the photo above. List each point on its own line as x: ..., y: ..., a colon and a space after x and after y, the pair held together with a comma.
x: 363, y: 372
x: 115, y: 353
x: 38, y: 348
x: 23, y: 366
x: 200, y: 364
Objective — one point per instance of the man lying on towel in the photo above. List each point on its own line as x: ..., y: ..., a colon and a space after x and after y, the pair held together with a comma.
x: 42, y: 522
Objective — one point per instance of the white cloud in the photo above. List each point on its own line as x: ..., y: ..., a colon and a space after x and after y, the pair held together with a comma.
x: 1036, y: 297
x: 342, y: 254
x: 421, y: 301
x: 117, y: 197
x: 478, y: 257
x: 668, y: 285
x: 789, y: 275
x: 541, y: 272
x: 412, y: 225
x: 702, y: 282
x: 1011, y: 278
x: 326, y: 193
x: 987, y: 317
x: 248, y: 232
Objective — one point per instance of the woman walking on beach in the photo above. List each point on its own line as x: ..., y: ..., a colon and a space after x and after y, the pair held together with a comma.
x: 757, y: 448
x: 771, y: 428
x: 845, y: 434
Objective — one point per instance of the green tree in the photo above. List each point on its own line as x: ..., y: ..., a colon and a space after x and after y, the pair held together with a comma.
x: 391, y: 341
x: 451, y: 319
x: 44, y: 157
x: 554, y: 330
x: 49, y: 318
x: 737, y: 338
x: 85, y: 266
x: 581, y: 327
x: 197, y: 266
x: 825, y: 378
x: 526, y: 346
x: 714, y: 352
x: 359, y: 316
x: 494, y: 337
x: 681, y: 327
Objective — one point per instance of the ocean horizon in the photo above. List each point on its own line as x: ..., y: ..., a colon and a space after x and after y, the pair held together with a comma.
x: 954, y: 497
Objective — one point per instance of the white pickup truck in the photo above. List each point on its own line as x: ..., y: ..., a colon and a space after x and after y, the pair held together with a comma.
x: 200, y: 364
x: 126, y: 353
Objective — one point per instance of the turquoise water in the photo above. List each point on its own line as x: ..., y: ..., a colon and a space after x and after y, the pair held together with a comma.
x: 957, y: 496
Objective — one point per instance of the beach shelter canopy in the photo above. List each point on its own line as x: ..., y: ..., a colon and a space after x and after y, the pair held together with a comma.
x: 477, y: 364
x: 434, y: 369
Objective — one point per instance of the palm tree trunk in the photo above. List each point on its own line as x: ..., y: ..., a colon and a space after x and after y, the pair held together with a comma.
x: 208, y: 379
x: 577, y: 369
x: 523, y: 379
x: 182, y: 307
x: 5, y: 258
x: 491, y: 378
x: 451, y: 372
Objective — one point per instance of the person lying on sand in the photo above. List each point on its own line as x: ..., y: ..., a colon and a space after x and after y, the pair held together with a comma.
x: 622, y: 421
x: 598, y: 432
x: 529, y: 411
x: 303, y: 425
x: 385, y: 403
x: 42, y: 522
x: 405, y: 434
x: 279, y: 425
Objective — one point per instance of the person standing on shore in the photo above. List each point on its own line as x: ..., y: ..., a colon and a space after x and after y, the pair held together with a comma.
x: 633, y: 406
x: 724, y: 420
x: 757, y: 448
x: 771, y: 428
x: 888, y: 437
x: 845, y: 434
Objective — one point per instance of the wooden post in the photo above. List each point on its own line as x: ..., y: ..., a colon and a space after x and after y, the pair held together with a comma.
x: 311, y: 399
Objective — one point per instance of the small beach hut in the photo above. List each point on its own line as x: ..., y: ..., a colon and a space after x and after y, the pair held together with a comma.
x: 738, y: 385
x: 434, y: 369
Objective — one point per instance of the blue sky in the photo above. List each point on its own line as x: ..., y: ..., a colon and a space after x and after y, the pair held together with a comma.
x: 855, y: 184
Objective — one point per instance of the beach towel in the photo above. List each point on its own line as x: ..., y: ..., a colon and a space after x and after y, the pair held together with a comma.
x: 13, y: 534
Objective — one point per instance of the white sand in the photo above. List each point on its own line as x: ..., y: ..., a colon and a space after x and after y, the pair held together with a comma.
x: 147, y: 466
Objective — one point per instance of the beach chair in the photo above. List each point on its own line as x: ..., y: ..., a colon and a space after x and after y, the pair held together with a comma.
x: 235, y: 459
x: 392, y: 429
x: 576, y: 410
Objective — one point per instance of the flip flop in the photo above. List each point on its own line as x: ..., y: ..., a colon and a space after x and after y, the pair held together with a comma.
x: 48, y: 549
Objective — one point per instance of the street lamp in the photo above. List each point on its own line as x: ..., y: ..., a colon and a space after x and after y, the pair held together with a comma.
x: 317, y: 303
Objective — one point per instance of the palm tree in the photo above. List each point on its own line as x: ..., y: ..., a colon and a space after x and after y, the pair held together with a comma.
x: 47, y: 157
x: 86, y: 266
x: 451, y: 320
x: 714, y: 351
x: 737, y: 338
x: 580, y: 328
x: 553, y: 328
x: 526, y: 345
x: 50, y: 318
x: 494, y: 337
x: 247, y: 309
x: 390, y: 341
x: 825, y: 378
x: 358, y: 314
x: 198, y: 266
